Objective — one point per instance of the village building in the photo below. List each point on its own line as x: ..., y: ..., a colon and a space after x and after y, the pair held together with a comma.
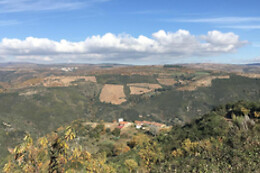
x: 120, y: 120
x: 138, y: 124
x: 125, y: 123
x: 153, y: 127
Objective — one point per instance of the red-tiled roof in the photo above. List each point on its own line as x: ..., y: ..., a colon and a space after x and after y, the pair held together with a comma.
x: 123, y: 122
x: 139, y: 122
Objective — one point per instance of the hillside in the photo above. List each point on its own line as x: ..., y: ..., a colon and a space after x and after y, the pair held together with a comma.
x: 37, y: 99
x: 223, y: 140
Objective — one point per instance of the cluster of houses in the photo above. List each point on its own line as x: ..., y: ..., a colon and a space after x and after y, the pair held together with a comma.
x: 141, y: 124
x: 153, y: 127
x: 122, y: 123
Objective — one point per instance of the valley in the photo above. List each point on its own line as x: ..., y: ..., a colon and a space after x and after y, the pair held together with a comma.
x: 37, y: 99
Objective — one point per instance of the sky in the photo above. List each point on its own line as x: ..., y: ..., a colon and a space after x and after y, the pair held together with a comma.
x: 130, y: 31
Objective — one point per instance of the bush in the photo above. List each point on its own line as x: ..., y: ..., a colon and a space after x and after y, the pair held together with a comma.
x: 116, y: 132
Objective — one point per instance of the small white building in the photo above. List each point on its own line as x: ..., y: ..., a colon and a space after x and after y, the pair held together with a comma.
x: 120, y: 120
x: 138, y: 126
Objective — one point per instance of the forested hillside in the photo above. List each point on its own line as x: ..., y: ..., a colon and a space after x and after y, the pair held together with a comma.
x: 224, y: 140
x: 38, y: 100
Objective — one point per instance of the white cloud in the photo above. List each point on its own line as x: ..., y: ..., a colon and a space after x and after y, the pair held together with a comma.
x: 10, y: 6
x: 162, y: 45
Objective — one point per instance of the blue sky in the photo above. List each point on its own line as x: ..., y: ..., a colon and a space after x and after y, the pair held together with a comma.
x: 96, y: 31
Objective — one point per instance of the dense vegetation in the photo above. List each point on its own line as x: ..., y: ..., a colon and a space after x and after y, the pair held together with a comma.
x: 50, y: 108
x: 225, y: 140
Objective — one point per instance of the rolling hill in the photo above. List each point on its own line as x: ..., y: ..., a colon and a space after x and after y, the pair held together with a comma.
x: 38, y: 99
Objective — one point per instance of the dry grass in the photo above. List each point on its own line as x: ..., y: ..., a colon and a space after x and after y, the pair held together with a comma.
x: 204, y: 82
x: 167, y: 82
x: 31, y: 82
x: 145, y: 85
x: 141, y: 88
x: 110, y: 126
x: 28, y: 93
x: 63, y: 81
x: 113, y: 94
x: 4, y: 84
x: 250, y: 75
x: 52, y: 81
x: 138, y: 90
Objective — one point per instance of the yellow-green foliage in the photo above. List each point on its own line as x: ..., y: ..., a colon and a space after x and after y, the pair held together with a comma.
x: 131, y: 164
x: 120, y: 149
x: 139, y: 140
x: 150, y: 155
x: 54, y: 154
x: 257, y: 114
x: 213, y: 143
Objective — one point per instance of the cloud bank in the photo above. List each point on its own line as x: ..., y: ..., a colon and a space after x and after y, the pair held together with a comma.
x: 163, y: 45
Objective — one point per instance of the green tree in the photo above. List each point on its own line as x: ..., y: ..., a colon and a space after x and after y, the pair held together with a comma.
x: 116, y: 132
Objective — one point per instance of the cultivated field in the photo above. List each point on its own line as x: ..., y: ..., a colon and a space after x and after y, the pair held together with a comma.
x: 113, y: 94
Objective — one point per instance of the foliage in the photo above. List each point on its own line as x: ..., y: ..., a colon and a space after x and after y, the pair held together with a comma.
x: 131, y: 165
x: 213, y: 143
x: 116, y: 132
x: 50, y: 108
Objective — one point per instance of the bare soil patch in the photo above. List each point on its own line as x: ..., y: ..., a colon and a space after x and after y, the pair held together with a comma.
x: 113, y: 94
